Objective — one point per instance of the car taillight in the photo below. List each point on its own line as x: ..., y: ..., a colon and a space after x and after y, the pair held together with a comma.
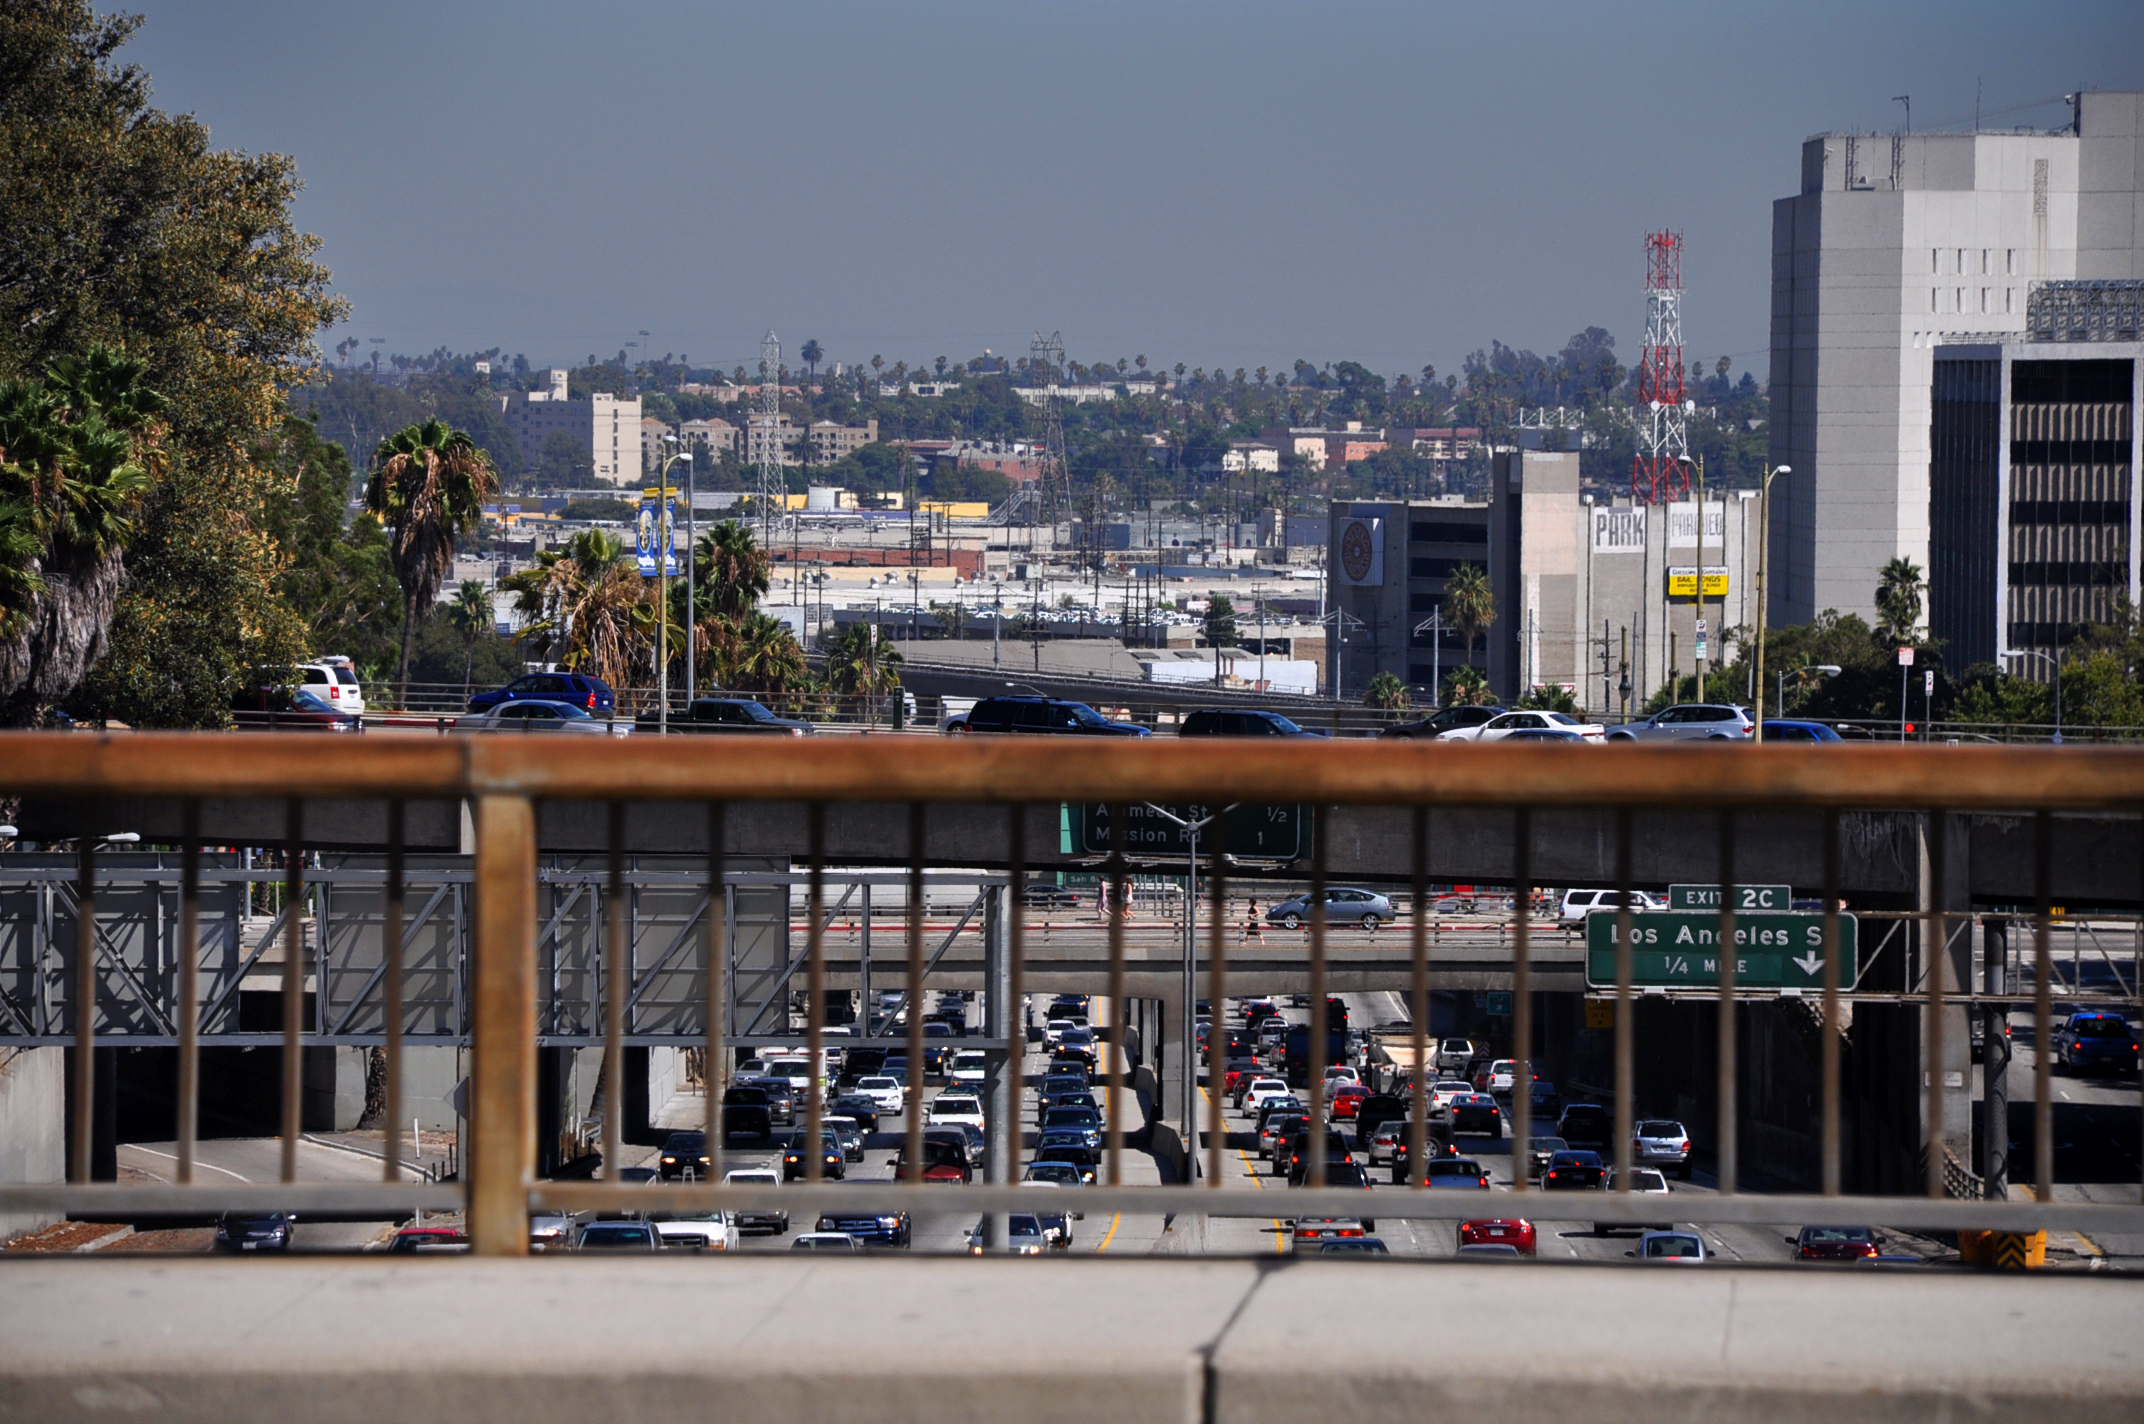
x: 591, y: 700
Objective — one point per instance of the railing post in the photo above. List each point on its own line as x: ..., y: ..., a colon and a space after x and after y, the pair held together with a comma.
x: 502, y: 1116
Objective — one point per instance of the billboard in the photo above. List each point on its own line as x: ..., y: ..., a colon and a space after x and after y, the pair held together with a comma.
x: 1618, y: 529
x: 1682, y: 582
x: 657, y: 516
x: 1360, y: 558
x: 1682, y: 524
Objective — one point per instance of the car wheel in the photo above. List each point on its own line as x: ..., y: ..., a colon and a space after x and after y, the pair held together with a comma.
x: 1371, y: 922
x: 1291, y: 922
x: 1621, y: 737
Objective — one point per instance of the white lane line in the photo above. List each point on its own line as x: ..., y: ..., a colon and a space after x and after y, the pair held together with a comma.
x: 169, y: 1157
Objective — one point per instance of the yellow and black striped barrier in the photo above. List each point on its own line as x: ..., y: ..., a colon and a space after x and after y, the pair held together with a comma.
x: 2004, y: 1250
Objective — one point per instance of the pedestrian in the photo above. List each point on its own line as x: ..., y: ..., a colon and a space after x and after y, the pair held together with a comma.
x: 1253, y: 924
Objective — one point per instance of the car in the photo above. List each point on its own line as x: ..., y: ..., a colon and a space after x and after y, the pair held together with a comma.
x: 704, y: 1231
x: 944, y: 1161
x: 1354, y: 1246
x: 618, y: 1236
x: 886, y: 1091
x: 1556, y: 736
x: 1587, y: 1125
x: 1577, y: 904
x: 1339, y: 1073
x: 1245, y: 722
x: 591, y: 694
x: 970, y: 1068
x: 972, y: 1140
x: 1792, y: 733
x: 2096, y: 1040
x: 550, y: 1231
x: 872, y: 1228
x: 1452, y: 1056
x: 1326, y: 1228
x: 1476, y: 1112
x: 1513, y: 1231
x: 254, y: 1231
x: 429, y: 1241
x: 1689, y: 722
x: 1347, y: 1100
x: 533, y: 716
x: 1574, y: 1171
x: 1262, y: 1089
x: 1538, y: 1152
x: 1294, y: 1156
x: 1275, y: 1130
x: 1067, y: 1137
x: 1084, y: 1117
x: 1375, y: 1111
x: 1024, y: 1236
x: 1234, y: 1073
x: 1343, y: 905
x: 1401, y: 1157
x: 1490, y: 1249
x: 774, y: 1221
x: 1644, y: 1181
x: 1451, y: 719
x: 857, y: 1108
x: 949, y: 1108
x: 1077, y: 1043
x: 1561, y: 724
x: 839, y: 1243
x: 1547, y: 1102
x: 747, y: 1111
x: 1056, y: 1221
x: 726, y: 716
x: 849, y: 1132
x: 1444, y: 1090
x: 289, y: 709
x: 1085, y: 1160
x: 1056, y: 1174
x: 1835, y: 1243
x: 334, y: 681
x: 1055, y: 1085
x: 1045, y: 716
x: 1381, y: 1144
x: 1448, y: 1173
x: 833, y: 1161
x: 1661, y: 1142
x: 1497, y: 1077
x: 1681, y: 1247
x: 684, y: 1155
x: 1054, y: 1031
x: 1037, y: 895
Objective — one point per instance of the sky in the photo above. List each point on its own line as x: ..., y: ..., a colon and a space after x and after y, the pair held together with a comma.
x: 1233, y: 184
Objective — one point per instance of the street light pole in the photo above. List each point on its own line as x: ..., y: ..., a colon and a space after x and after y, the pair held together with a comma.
x: 1764, y: 553
x: 665, y: 552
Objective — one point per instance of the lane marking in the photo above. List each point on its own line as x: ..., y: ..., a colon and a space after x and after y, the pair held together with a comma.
x: 1114, y: 1222
x: 170, y: 1157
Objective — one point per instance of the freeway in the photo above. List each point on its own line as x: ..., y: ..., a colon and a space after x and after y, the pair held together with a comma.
x: 2096, y: 1132
x: 259, y: 1159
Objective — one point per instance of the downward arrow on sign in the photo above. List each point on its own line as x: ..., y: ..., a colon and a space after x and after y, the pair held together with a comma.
x: 1810, y: 963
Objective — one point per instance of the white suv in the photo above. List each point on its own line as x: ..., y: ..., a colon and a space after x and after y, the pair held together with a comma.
x: 333, y: 681
x: 1577, y: 904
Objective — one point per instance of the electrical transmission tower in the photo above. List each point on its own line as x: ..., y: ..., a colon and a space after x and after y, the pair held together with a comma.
x: 1053, y: 481
x: 1661, y: 471
x: 772, y: 487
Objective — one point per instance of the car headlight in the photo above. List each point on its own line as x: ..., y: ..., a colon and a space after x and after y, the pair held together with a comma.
x: 889, y: 1222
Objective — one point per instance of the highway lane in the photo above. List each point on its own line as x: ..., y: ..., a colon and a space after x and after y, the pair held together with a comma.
x: 2097, y: 1137
x: 260, y: 1159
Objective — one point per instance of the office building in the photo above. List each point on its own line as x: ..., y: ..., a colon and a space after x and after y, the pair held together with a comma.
x: 607, y: 426
x: 1388, y: 565
x: 2033, y: 499
x: 1898, y: 244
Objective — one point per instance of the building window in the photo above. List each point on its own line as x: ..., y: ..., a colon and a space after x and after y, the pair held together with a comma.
x: 1961, y: 262
x: 1987, y: 260
x: 1935, y: 260
x: 2010, y: 261
x: 2009, y: 300
x: 1932, y: 298
x: 1983, y: 301
x: 1958, y: 297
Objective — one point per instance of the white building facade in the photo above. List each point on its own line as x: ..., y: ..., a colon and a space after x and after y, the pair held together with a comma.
x: 608, y: 426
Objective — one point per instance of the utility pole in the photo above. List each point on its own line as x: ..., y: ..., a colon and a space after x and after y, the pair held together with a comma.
x: 1764, y: 552
x: 1700, y: 630
x: 1623, y: 671
x: 1434, y: 626
x: 692, y: 671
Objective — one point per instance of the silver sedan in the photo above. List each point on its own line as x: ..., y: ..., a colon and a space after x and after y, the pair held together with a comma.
x: 532, y: 715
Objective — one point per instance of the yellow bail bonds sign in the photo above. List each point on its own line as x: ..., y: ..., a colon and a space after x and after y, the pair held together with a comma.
x: 1680, y: 949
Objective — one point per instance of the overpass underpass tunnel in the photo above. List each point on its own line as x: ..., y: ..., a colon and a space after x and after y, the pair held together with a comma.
x: 921, y: 1024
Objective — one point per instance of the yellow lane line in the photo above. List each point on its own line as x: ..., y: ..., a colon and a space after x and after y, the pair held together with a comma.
x: 1114, y: 1223
x: 1280, y: 1247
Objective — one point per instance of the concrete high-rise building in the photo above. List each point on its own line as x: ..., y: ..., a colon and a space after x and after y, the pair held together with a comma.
x: 1895, y: 245
x: 607, y: 426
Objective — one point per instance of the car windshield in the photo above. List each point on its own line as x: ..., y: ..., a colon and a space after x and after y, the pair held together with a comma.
x: 566, y: 710
x: 1659, y: 1128
x: 1647, y: 1181
x: 1282, y: 725
x: 1674, y: 1246
x: 880, y: 1083
x: 1454, y: 1167
x: 1565, y: 719
x: 622, y: 1233
x: 1838, y: 1233
x: 1575, y: 1159
x: 949, y: 1104
x: 2100, y: 1028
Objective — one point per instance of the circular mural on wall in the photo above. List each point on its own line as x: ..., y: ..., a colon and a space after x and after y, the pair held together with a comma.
x: 1356, y: 552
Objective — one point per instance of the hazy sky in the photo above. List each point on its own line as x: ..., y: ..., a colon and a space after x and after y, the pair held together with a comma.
x: 1234, y: 183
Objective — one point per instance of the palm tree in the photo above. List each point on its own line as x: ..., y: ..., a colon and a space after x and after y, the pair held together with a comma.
x: 1386, y: 693
x: 813, y: 353
x: 586, y: 603
x: 1466, y: 686
x: 472, y: 616
x: 768, y: 659
x: 732, y: 571
x: 75, y: 458
x: 863, y: 663
x: 1898, y: 599
x: 1469, y: 604
x: 429, y: 483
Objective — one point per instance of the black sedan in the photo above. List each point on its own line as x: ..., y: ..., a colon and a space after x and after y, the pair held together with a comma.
x: 734, y: 716
x: 856, y: 1105
x: 1575, y: 1172
x: 833, y: 1162
x: 1476, y: 1112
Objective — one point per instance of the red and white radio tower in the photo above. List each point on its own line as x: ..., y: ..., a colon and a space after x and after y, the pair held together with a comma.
x: 1661, y: 471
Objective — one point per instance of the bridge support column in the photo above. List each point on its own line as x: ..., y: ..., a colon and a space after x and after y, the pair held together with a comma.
x: 1995, y: 1065
x: 502, y: 1147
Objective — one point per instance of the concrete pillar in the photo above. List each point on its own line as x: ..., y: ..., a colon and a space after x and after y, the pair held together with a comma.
x: 1995, y: 1065
x: 33, y: 1128
x: 103, y: 1116
x: 1954, y: 1132
x: 1000, y: 1021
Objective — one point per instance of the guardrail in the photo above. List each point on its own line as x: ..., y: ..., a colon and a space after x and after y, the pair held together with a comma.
x: 505, y: 778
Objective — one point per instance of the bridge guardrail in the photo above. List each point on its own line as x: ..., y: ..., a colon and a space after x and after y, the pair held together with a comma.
x: 505, y: 778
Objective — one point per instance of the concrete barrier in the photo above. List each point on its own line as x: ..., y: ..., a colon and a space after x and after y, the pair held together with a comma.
x: 341, y: 1339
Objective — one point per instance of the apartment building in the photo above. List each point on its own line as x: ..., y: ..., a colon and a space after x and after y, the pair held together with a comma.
x: 607, y: 426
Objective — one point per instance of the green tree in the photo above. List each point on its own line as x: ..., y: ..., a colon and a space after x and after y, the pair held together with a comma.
x: 585, y: 606
x: 1467, y: 686
x: 1898, y: 600
x: 732, y: 571
x: 73, y: 467
x: 1219, y: 624
x: 1469, y: 604
x: 429, y: 484
x: 1549, y: 699
x: 813, y: 353
x: 760, y: 654
x: 471, y: 615
x: 864, y: 665
x: 1386, y: 693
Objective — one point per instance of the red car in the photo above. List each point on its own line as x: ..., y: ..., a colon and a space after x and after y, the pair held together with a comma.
x: 1238, y: 1070
x: 1835, y: 1243
x: 1347, y: 1100
x: 1499, y: 1231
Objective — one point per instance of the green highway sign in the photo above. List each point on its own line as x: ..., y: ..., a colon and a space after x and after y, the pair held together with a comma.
x: 1254, y: 832
x: 1747, y: 897
x: 1680, y: 949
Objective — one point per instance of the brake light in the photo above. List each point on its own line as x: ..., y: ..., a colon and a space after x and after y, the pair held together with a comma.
x: 591, y: 699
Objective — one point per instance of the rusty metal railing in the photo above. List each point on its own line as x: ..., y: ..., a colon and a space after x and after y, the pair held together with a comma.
x: 505, y: 780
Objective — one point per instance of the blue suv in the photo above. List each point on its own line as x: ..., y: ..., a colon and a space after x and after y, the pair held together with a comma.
x: 592, y: 693
x: 2096, y: 1040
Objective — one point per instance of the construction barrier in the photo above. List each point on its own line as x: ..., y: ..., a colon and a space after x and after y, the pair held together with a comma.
x: 2004, y: 1250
